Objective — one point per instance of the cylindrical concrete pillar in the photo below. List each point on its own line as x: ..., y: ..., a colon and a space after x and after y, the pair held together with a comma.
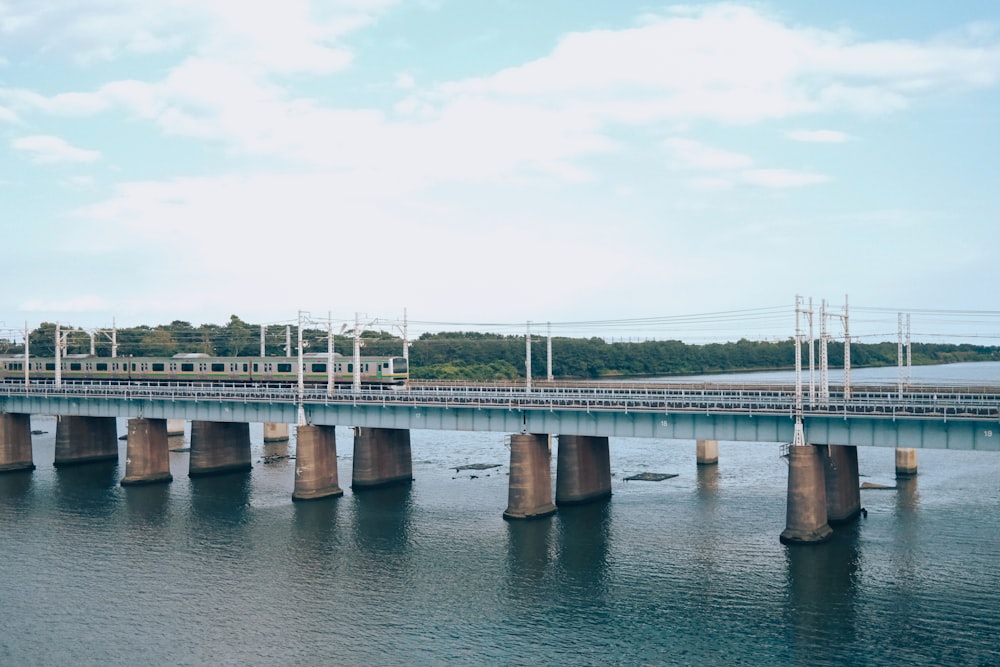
x: 147, y: 457
x: 906, y: 462
x: 843, y: 492
x: 805, y: 521
x: 316, y: 463
x: 381, y: 457
x: 583, y: 469
x: 219, y: 447
x: 529, y: 488
x: 275, y: 432
x: 85, y: 440
x: 707, y: 452
x: 175, y: 427
x: 15, y: 442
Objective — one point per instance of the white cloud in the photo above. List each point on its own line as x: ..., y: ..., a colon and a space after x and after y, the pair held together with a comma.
x: 52, y: 150
x: 405, y: 81
x: 724, y: 63
x: 696, y: 155
x: 781, y: 178
x: 819, y: 136
x: 7, y: 116
x: 78, y: 304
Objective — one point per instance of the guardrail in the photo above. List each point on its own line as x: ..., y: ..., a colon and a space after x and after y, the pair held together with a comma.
x: 923, y: 402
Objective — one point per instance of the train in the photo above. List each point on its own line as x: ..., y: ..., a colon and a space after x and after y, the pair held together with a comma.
x: 375, y: 371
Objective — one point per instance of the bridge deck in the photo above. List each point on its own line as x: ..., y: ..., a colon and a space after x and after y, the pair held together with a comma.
x: 917, y: 416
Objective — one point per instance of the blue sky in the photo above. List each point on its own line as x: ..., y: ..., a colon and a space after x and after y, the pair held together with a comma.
x: 497, y: 162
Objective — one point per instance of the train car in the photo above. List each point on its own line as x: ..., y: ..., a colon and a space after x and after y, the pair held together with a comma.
x: 374, y: 371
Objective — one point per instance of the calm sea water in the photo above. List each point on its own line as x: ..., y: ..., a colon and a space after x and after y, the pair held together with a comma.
x: 688, y: 571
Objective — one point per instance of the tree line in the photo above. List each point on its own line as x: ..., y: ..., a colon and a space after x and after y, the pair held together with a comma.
x: 465, y: 355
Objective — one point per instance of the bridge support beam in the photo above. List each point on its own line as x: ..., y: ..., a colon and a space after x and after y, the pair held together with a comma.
x: 85, y: 440
x: 805, y: 521
x: 275, y: 432
x: 707, y: 452
x: 529, y: 488
x: 147, y: 457
x: 219, y: 447
x: 843, y: 492
x: 906, y: 462
x: 315, y: 463
x: 583, y: 470
x: 15, y: 442
x: 381, y: 457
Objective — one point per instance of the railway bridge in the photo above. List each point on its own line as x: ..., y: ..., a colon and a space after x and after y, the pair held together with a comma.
x: 823, y: 470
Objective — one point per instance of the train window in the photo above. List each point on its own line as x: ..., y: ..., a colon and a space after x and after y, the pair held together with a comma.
x: 350, y: 368
x: 75, y: 366
x: 133, y: 365
x: 50, y: 366
x: 245, y: 366
x: 187, y: 368
x: 385, y: 365
x: 284, y: 368
x: 159, y: 367
x: 14, y: 366
x: 255, y: 369
x: 319, y: 368
x: 218, y: 368
x: 101, y: 366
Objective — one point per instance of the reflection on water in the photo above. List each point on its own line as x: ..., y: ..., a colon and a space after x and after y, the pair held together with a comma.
x: 147, y: 505
x: 15, y: 486
x: 822, y: 580
x: 220, y: 500
x: 907, y: 496
x: 382, y: 518
x: 529, y: 553
x: 583, y: 548
x: 708, y: 485
x: 88, y: 489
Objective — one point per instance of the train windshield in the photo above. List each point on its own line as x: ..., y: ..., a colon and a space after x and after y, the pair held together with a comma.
x: 399, y: 365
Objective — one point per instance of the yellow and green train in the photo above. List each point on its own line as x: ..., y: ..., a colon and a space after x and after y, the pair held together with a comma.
x: 374, y: 371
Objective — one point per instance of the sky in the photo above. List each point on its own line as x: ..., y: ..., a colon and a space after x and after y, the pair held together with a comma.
x: 503, y: 161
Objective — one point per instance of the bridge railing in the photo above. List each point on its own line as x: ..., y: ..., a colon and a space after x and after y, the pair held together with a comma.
x: 926, y: 402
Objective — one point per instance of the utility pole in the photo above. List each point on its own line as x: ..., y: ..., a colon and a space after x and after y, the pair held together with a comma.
x: 548, y: 353
x: 58, y: 355
x: 302, y: 382
x: 798, y: 438
x: 27, y: 345
x: 356, y: 377
x: 527, y: 358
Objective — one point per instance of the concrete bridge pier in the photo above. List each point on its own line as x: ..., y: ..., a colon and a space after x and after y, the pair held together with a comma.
x: 381, y: 457
x: 15, y: 442
x: 147, y: 456
x: 219, y: 447
x: 175, y: 427
x: 843, y: 492
x: 583, y: 470
x: 707, y: 452
x: 805, y: 521
x: 315, y: 463
x: 85, y: 440
x: 906, y: 462
x: 275, y: 432
x: 529, y: 489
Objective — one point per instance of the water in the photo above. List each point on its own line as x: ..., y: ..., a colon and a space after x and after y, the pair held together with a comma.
x: 229, y: 571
